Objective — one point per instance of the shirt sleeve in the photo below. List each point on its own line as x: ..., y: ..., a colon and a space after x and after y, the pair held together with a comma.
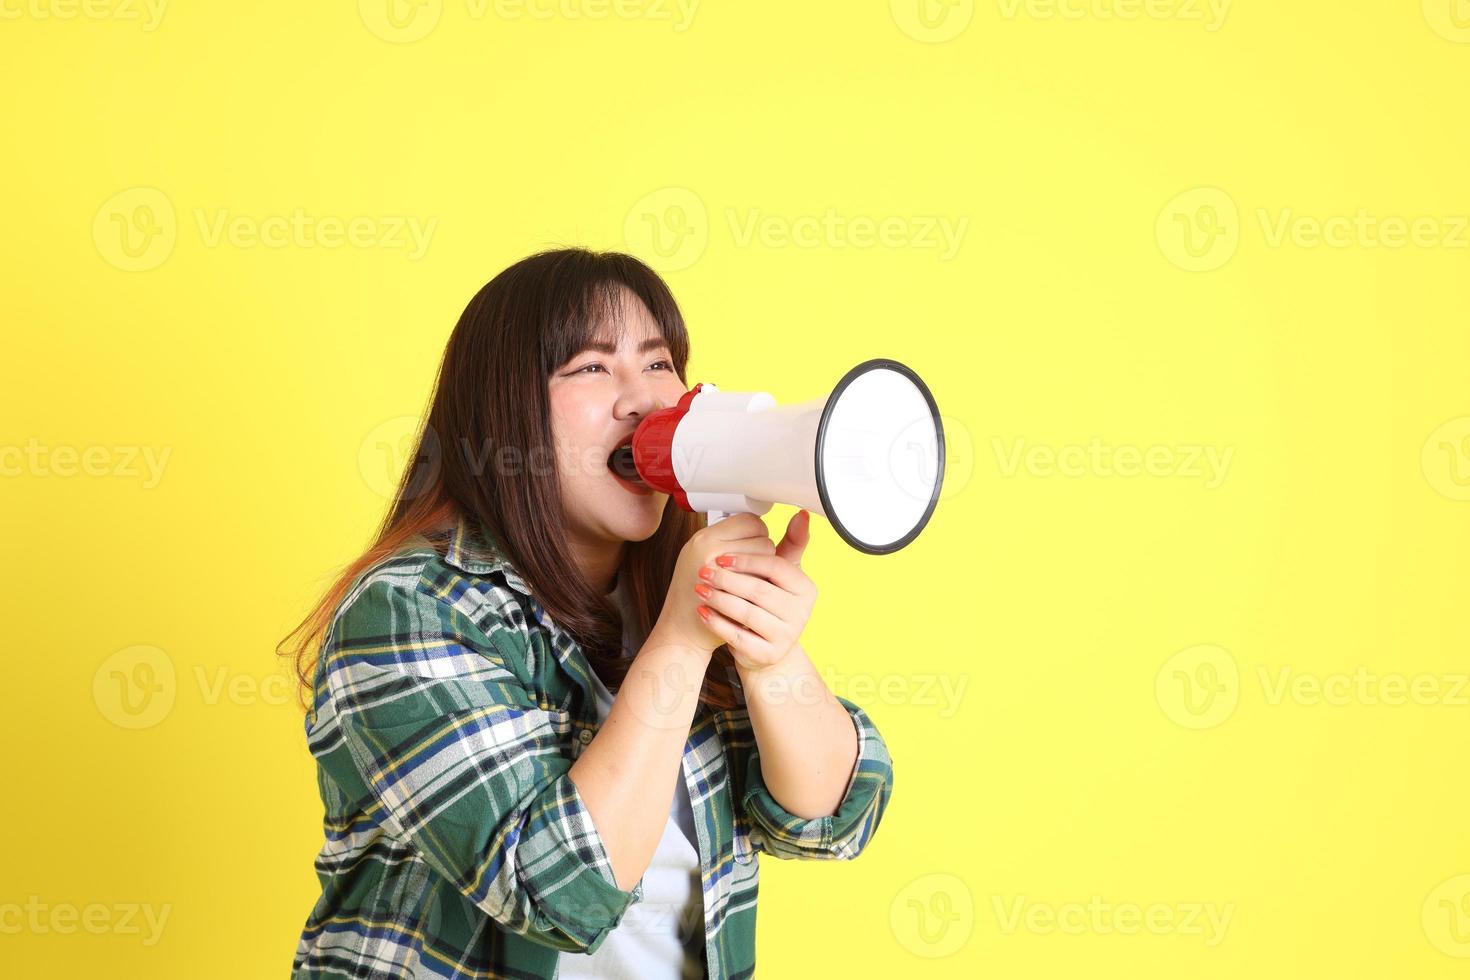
x: 452, y: 755
x: 841, y: 835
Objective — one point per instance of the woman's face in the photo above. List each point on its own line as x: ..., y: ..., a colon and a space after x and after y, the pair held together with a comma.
x: 597, y: 400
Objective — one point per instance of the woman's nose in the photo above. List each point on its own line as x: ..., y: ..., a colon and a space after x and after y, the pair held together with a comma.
x: 640, y: 402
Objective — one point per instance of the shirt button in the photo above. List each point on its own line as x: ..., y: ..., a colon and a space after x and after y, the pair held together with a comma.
x: 585, y: 736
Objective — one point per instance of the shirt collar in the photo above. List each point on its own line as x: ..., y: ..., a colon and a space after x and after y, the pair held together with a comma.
x: 473, y: 550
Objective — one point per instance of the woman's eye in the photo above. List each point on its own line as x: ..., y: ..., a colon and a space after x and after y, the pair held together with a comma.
x: 666, y: 366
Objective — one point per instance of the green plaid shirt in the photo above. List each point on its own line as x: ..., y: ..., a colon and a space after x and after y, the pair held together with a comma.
x: 447, y: 709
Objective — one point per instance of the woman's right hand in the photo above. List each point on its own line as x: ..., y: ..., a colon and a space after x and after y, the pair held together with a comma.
x: 738, y: 534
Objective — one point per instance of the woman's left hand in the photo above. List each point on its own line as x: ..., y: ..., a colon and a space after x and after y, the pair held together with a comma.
x: 759, y: 604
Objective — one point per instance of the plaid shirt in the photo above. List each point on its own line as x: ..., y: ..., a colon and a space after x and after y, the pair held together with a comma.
x: 447, y: 709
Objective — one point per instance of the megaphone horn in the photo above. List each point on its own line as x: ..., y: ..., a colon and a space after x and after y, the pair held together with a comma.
x: 869, y: 457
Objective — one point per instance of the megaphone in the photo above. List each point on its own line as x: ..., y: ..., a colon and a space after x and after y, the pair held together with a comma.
x: 869, y: 457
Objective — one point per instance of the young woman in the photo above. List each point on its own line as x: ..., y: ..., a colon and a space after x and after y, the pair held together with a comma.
x: 556, y: 718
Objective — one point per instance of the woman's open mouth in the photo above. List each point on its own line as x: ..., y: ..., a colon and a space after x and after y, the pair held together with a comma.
x: 620, y: 464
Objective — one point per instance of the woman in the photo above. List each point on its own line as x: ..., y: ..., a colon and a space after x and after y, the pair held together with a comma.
x: 555, y: 716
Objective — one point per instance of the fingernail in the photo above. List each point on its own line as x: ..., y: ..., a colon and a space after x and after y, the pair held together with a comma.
x: 705, y: 572
x: 704, y: 591
x: 725, y: 561
x: 703, y: 612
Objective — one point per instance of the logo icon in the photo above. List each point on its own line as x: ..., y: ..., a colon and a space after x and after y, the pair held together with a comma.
x: 932, y: 21
x: 1199, y: 230
x: 400, y: 21
x: 135, y: 230
x: 912, y: 462
x: 1450, y: 19
x: 1446, y: 917
x: 1199, y: 686
x: 657, y: 707
x: 135, y: 687
x: 1446, y: 458
x: 933, y: 916
x: 669, y: 228
x: 388, y: 450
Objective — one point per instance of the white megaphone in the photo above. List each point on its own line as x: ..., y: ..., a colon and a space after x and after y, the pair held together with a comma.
x: 869, y: 457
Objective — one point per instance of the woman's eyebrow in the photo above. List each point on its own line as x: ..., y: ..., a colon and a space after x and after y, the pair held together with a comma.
x: 603, y: 347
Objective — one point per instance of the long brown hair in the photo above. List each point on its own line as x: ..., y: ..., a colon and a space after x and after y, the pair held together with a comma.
x: 490, y: 399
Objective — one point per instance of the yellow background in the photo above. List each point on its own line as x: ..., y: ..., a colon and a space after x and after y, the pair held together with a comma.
x: 1120, y: 736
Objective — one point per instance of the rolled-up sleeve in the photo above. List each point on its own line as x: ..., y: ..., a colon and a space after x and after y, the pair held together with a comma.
x: 454, y: 757
x: 837, y: 836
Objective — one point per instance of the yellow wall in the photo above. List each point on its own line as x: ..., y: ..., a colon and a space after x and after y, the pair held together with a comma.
x: 1206, y: 720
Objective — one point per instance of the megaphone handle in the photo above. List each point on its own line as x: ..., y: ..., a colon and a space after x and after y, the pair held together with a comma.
x: 716, y: 516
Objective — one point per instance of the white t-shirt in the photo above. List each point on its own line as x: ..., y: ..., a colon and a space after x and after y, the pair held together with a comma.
x: 662, y: 936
